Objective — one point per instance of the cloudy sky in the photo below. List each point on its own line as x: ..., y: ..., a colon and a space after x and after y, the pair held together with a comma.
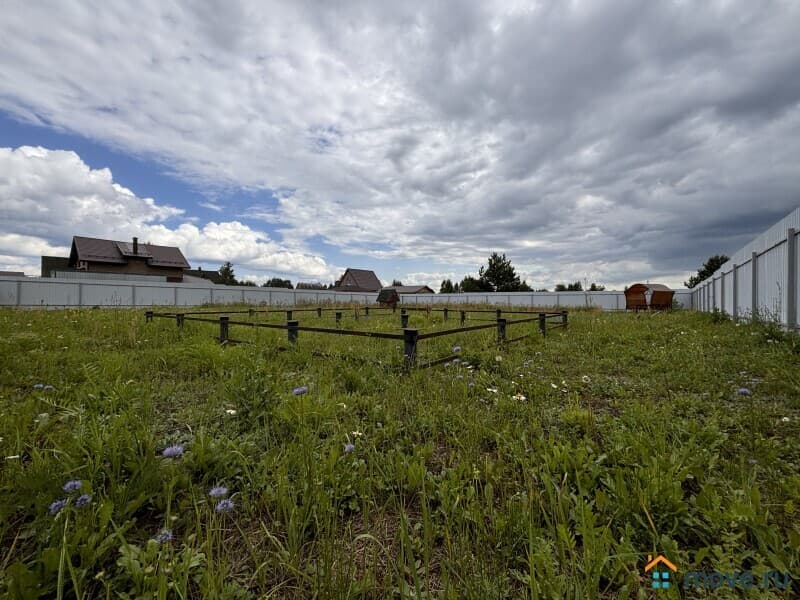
x: 588, y: 140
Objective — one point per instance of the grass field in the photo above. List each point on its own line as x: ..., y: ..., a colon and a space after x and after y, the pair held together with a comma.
x: 549, y: 468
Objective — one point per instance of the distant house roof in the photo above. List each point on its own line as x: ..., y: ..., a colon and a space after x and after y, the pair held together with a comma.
x: 212, y: 276
x: 109, y: 251
x: 359, y: 280
x: 411, y: 289
x: 54, y: 263
x: 12, y: 274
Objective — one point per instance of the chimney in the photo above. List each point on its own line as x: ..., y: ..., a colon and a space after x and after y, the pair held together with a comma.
x: 136, y: 245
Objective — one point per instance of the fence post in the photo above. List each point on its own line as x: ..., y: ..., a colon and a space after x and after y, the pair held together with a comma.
x: 288, y: 315
x: 501, y: 330
x: 499, y: 313
x: 223, y: 329
x: 445, y: 313
x: 463, y: 317
x: 250, y: 312
x: 404, y: 319
x: 754, y: 289
x: 319, y: 311
x: 791, y: 278
x: 410, y: 346
x: 366, y: 311
x: 564, y: 319
x: 148, y: 316
x: 338, y: 316
x: 179, y: 319
x: 355, y: 313
x: 735, y: 292
x: 292, y: 330
x: 542, y: 324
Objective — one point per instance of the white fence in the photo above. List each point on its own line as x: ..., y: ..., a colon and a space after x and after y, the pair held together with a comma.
x: 760, y: 279
x: 52, y: 293
x: 611, y: 300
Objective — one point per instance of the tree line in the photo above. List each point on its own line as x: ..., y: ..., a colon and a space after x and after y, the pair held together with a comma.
x: 499, y: 275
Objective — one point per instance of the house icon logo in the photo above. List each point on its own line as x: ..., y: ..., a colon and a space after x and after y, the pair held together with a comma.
x: 661, y: 577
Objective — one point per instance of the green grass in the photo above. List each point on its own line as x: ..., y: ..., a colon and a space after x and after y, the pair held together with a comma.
x: 631, y: 440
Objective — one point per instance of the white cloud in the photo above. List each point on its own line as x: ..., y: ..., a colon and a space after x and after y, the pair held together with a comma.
x: 47, y: 196
x: 565, y: 134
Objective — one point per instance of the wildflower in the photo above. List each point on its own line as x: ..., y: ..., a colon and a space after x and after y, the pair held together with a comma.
x: 492, y: 390
x: 447, y: 365
x: 465, y: 364
x: 348, y: 448
x: 356, y: 433
x: 498, y: 358
x: 299, y: 391
x: 230, y: 411
x: 175, y: 451
x: 456, y: 349
x: 459, y: 377
x: 526, y: 363
x: 164, y: 536
x: 49, y: 387
x: 743, y: 391
x: 82, y: 500
x: 586, y: 379
x: 57, y: 506
x: 73, y: 485
x: 519, y: 397
x: 456, y: 361
x: 38, y: 386
x: 342, y: 405
x: 224, y: 506
x: 538, y: 353
x: 471, y: 384
x: 218, y: 491
x: 554, y: 386
x: 785, y: 419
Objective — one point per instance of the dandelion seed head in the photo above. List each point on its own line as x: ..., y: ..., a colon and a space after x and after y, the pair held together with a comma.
x: 218, y: 491
x: 174, y: 451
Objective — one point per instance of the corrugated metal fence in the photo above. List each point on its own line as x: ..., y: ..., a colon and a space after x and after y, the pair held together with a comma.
x: 50, y: 292
x: 760, y: 279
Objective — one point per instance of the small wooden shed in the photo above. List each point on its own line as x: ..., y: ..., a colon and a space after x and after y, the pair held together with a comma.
x: 660, y: 296
x: 388, y: 297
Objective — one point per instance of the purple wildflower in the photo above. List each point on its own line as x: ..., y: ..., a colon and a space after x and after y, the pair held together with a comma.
x: 348, y: 448
x: 164, y: 536
x: 459, y: 377
x: 299, y: 391
x: 73, y: 485
x: 225, y: 505
x: 175, y: 451
x: 82, y: 500
x: 471, y: 384
x: 456, y: 349
x: 456, y: 361
x: 218, y: 491
x: 57, y: 506
x: 743, y: 391
x: 48, y: 387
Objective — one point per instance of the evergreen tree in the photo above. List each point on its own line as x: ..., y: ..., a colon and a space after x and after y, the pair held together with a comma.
x: 499, y: 275
x: 709, y: 268
x: 446, y: 287
x: 226, y: 273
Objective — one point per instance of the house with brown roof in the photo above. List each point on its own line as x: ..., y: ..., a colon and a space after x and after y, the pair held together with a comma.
x: 411, y: 289
x: 128, y: 258
x: 358, y: 280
